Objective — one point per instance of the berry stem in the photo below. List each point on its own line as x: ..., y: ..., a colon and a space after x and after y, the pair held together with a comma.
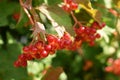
x: 75, y: 19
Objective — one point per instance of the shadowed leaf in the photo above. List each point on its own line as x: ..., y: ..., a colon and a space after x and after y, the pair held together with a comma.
x: 86, y: 4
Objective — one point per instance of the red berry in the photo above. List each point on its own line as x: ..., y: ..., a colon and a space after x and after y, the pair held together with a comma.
x: 29, y: 57
x: 92, y: 37
x: 48, y: 47
x: 39, y: 44
x: 103, y: 25
x: 81, y: 30
x: 26, y: 49
x: 16, y: 16
x: 66, y: 8
x: 44, y: 54
x: 97, y: 36
x: 24, y: 63
x: 51, y: 38
x: 93, y: 31
x: 34, y: 50
x: 37, y: 56
x: 95, y: 25
x: 22, y: 57
x: 87, y: 30
x: 17, y: 63
x: 69, y: 5
x: 73, y: 6
x: 92, y: 43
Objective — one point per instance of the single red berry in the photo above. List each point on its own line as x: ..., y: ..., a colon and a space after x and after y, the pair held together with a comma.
x: 91, y: 37
x: 17, y: 63
x: 26, y: 49
x: 103, y: 24
x: 48, y: 47
x: 87, y: 30
x: 29, y: 57
x: 51, y: 38
x: 54, y: 46
x: 73, y: 6
x: 66, y: 8
x: 16, y: 16
x: 66, y: 36
x: 97, y: 36
x: 92, y: 43
x: 33, y: 50
x: 81, y: 30
x: 22, y: 57
x: 24, y: 63
x: 93, y: 31
x: 36, y: 56
x: 44, y: 54
x: 95, y: 25
x: 39, y: 44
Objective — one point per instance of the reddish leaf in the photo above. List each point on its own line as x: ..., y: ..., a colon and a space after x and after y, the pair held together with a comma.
x: 53, y: 73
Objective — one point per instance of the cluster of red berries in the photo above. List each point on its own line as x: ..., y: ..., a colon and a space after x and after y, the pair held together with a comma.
x: 89, y: 34
x: 41, y: 49
x: 114, y: 66
x: 69, y: 5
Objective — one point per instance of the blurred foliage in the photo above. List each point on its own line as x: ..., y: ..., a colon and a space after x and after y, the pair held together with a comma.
x: 87, y: 63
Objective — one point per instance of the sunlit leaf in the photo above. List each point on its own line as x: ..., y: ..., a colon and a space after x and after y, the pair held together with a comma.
x: 117, y: 3
x: 59, y: 19
x: 59, y: 15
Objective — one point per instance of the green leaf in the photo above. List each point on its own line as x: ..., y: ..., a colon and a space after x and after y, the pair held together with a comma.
x: 54, y: 2
x: 7, y: 58
x: 61, y: 17
x: 91, y: 52
x: 6, y: 10
x: 23, y: 19
x: 58, y: 18
x: 37, y: 2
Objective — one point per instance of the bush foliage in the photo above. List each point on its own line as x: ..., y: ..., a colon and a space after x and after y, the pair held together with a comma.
x: 88, y: 62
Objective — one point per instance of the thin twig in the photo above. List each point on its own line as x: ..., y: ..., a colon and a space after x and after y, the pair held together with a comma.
x: 75, y: 19
x: 26, y: 11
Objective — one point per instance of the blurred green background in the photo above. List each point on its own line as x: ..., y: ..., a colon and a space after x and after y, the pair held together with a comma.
x: 87, y: 63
